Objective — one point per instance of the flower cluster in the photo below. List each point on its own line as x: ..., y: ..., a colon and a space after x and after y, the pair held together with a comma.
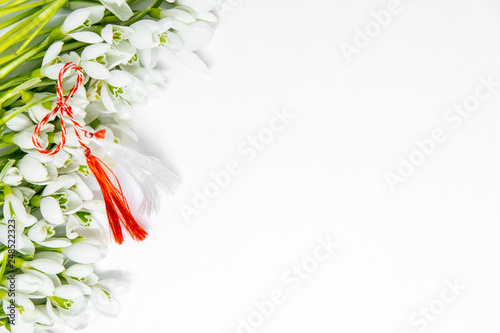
x: 50, y: 236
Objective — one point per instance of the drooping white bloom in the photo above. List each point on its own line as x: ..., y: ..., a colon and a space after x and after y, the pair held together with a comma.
x: 118, y: 7
x: 59, y: 199
x: 19, y: 123
x: 13, y: 177
x: 83, y: 17
x: 24, y: 313
x: 86, y: 251
x: 35, y: 171
x: 149, y: 34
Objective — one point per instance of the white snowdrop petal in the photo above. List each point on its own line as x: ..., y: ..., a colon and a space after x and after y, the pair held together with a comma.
x: 19, y: 122
x: 68, y: 292
x: 47, y: 266
x: 83, y: 253
x: 52, y: 71
x: 85, y: 289
x: 51, y: 211
x: 54, y: 256
x: 118, y: 7
x: 95, y: 70
x: 38, y: 232
x: 79, y: 270
x: 27, y: 283
x: 13, y: 177
x: 62, y: 182
x: 105, y: 304
x: 25, y: 245
x: 178, y: 15
x: 75, y: 203
x: 41, y: 315
x: 107, y: 33
x: 143, y: 37
x: 33, y: 171
x: 88, y: 37
x: 75, y: 19
x: 94, y: 51
x: 56, y: 242
x: 120, y: 78
x: 24, y: 140
x: 96, y: 13
x: 52, y: 52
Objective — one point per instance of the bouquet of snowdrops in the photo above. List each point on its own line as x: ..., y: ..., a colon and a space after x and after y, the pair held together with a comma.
x: 71, y: 72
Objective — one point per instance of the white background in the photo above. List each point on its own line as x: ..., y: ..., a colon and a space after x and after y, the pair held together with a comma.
x: 323, y: 175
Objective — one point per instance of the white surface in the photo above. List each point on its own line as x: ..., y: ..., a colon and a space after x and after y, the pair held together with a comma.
x: 323, y: 175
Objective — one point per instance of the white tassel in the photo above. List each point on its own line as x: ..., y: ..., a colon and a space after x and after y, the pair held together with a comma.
x: 147, y: 172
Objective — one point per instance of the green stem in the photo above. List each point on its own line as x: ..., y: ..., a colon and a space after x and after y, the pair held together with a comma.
x: 26, y: 107
x: 12, y: 82
x: 17, y: 18
x: 19, y: 32
x: 15, y: 3
x: 20, y: 60
x: 13, y: 8
x: 10, y: 152
x: 26, y: 85
x: 33, y: 35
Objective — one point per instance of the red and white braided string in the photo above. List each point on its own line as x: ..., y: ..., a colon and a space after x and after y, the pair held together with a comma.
x: 64, y: 108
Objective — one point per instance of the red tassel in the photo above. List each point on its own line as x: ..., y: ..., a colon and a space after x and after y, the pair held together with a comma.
x: 117, y: 207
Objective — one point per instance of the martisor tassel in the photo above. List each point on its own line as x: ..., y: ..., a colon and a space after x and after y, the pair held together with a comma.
x: 117, y: 207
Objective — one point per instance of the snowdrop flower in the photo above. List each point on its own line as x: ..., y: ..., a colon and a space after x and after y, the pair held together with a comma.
x: 43, y: 320
x: 104, y: 302
x: 69, y: 305
x: 117, y: 37
x: 180, y: 16
x: 117, y: 93
x: 94, y: 61
x: 45, y: 262
x: 24, y: 312
x: 56, y: 242
x: 23, y: 139
x: 13, y: 208
x: 87, y: 251
x: 77, y: 19
x: 19, y: 123
x: 149, y: 34
x: 81, y: 275
x: 59, y: 200
x: 118, y: 7
x: 28, y: 284
x: 115, y: 34
x: 36, y: 172
x: 40, y: 231
x: 52, y: 63
x: 13, y: 177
